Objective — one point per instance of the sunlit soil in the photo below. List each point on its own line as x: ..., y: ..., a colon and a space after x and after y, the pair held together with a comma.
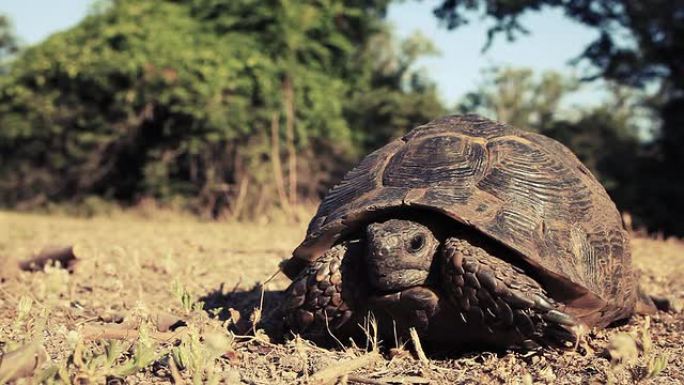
x: 132, y: 271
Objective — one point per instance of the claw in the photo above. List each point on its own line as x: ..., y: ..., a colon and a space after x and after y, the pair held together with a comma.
x: 295, y: 301
x: 561, y: 334
x: 487, y: 280
x: 299, y: 288
x: 463, y: 318
x: 542, y: 303
x: 530, y: 345
x: 505, y: 312
x: 336, y: 278
x: 305, y: 318
x: 323, y: 272
x: 472, y: 281
x: 518, y: 300
x: 559, y: 317
x: 343, y: 318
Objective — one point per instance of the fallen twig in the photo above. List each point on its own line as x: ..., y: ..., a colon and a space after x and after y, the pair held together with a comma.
x: 175, y: 374
x: 418, y: 346
x: 407, y: 380
x: 352, y: 378
x: 104, y: 332
x: 22, y: 362
x: 67, y: 257
x: 167, y: 322
x: 363, y: 380
x: 330, y: 374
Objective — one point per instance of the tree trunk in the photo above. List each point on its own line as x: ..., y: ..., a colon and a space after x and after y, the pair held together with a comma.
x: 275, y: 161
x: 242, y: 195
x: 288, y: 99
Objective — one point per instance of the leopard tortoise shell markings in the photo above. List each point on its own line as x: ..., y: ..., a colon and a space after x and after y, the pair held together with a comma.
x: 525, y: 191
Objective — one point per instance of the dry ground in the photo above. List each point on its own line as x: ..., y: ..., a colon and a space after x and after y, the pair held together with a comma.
x: 134, y: 271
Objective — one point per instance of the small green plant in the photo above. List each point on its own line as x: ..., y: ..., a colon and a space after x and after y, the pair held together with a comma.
x: 53, y: 285
x: 24, y: 307
x: 199, y: 355
x: 144, y: 353
x: 656, y: 365
x: 23, y: 310
x: 183, y: 296
x: 109, y: 358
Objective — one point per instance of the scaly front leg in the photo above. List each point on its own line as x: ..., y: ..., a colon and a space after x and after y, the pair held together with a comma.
x: 320, y: 300
x: 502, y: 304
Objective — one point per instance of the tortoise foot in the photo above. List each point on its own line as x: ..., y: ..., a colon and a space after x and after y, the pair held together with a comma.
x: 314, y: 304
x: 501, y: 302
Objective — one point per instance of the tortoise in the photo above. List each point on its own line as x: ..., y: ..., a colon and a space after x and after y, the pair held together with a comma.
x: 472, y: 232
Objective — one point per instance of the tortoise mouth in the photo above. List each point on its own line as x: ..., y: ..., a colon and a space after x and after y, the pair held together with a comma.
x: 411, y: 294
x: 397, y: 281
x: 388, y: 294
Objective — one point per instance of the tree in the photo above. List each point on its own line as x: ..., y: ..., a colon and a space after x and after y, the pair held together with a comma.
x: 640, y: 43
x: 392, y: 96
x: 192, y: 101
x: 8, y: 41
x: 147, y: 99
x: 518, y: 97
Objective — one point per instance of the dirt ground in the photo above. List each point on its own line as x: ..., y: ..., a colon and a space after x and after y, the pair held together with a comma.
x: 172, y: 300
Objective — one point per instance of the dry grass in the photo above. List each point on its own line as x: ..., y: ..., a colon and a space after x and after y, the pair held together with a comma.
x: 133, y: 272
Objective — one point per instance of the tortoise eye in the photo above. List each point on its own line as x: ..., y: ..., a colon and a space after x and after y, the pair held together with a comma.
x: 417, y: 242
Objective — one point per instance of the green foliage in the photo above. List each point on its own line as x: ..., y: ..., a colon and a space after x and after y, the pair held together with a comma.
x: 199, y: 355
x: 169, y: 99
x: 518, y: 97
x: 118, y: 95
x: 8, y: 41
x: 391, y: 97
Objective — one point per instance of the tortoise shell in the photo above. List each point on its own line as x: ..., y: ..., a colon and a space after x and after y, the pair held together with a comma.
x: 523, y: 190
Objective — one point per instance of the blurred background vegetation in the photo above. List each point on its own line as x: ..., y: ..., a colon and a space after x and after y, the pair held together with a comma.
x: 246, y: 108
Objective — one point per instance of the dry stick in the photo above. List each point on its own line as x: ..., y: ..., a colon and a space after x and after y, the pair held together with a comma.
x: 257, y: 313
x: 22, y: 362
x: 263, y: 292
x: 418, y: 346
x: 166, y: 321
x: 406, y: 380
x: 175, y: 374
x: 163, y: 321
x: 330, y: 374
x: 97, y: 332
x: 364, y: 380
x: 327, y: 328
x: 67, y: 256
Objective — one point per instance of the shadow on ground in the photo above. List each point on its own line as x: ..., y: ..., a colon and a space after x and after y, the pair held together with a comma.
x: 256, y: 302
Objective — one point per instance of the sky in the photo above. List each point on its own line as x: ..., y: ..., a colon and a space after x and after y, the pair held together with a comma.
x: 553, y: 40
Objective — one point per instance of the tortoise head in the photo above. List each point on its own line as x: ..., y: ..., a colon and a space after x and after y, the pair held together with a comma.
x: 400, y: 254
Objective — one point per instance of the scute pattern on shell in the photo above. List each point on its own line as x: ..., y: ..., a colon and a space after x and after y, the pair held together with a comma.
x: 524, y: 190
